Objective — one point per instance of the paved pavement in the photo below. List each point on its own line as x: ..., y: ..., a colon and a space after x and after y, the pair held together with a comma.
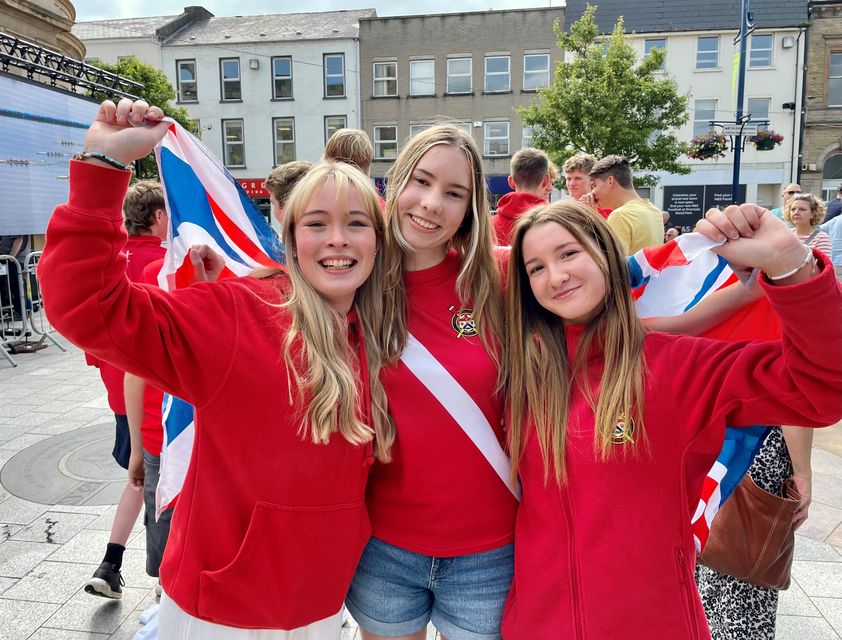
x: 58, y: 487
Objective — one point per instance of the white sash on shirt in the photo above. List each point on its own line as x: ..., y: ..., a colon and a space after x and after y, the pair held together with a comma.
x: 462, y: 408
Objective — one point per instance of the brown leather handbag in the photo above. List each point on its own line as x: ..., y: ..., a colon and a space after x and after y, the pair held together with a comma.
x: 753, y: 536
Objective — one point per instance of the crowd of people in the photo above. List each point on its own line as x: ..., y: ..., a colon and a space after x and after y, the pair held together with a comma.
x: 415, y: 423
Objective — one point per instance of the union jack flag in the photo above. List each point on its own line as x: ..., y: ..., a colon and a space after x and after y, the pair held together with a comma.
x: 206, y: 205
x: 661, y: 291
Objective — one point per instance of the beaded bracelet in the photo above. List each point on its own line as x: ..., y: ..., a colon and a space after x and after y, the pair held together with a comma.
x: 792, y: 272
x: 106, y: 159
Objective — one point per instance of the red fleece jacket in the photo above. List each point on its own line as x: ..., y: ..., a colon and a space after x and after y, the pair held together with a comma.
x: 509, y: 208
x: 610, y: 556
x: 269, y: 527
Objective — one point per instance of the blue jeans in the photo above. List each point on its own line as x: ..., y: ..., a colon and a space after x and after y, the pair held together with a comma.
x: 397, y: 592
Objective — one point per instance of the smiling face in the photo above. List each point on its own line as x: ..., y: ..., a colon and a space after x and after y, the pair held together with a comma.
x: 335, y: 244
x: 563, y: 276
x: 433, y: 204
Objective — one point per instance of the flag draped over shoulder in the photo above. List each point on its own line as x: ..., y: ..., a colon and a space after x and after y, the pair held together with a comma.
x: 663, y: 291
x: 205, y: 206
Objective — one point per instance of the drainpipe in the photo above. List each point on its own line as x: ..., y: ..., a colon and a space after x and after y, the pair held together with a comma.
x: 806, y: 33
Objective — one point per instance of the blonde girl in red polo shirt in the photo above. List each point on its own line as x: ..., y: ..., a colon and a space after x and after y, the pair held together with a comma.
x: 443, y: 510
x: 284, y: 374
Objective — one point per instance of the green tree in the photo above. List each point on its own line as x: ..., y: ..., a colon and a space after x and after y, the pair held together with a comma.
x: 157, y: 91
x: 605, y: 101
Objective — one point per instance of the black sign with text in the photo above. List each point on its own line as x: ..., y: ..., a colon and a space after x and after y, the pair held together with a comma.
x: 684, y: 204
x: 719, y: 195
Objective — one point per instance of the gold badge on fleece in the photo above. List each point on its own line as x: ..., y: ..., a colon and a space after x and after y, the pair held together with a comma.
x: 463, y: 323
x: 623, y: 430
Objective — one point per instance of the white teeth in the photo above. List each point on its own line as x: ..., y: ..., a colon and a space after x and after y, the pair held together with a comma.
x: 424, y: 223
x: 336, y: 264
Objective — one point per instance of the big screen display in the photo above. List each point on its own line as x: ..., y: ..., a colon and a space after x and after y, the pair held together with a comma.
x: 41, y: 128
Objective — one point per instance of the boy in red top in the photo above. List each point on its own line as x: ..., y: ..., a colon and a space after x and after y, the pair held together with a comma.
x: 145, y: 219
x: 530, y: 179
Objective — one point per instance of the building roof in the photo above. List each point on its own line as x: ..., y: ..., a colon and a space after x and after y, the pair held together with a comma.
x: 656, y: 16
x: 121, y: 28
x: 273, y: 28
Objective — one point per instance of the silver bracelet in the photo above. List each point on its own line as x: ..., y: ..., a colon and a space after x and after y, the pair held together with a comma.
x: 792, y: 272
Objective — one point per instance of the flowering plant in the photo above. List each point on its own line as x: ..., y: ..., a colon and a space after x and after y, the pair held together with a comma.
x: 708, y: 145
x: 766, y: 140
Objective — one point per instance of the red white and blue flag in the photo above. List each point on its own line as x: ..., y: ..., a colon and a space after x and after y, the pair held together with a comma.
x: 662, y: 291
x: 206, y: 205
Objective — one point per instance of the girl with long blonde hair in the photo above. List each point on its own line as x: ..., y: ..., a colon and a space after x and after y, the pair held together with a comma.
x: 283, y: 371
x: 613, y: 429
x: 443, y: 509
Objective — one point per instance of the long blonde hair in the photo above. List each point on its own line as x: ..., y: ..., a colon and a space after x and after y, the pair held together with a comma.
x: 478, y: 281
x: 316, y: 349
x: 536, y: 366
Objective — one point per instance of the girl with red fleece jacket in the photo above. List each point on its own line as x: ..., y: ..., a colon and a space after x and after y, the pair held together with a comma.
x: 283, y: 371
x: 613, y: 429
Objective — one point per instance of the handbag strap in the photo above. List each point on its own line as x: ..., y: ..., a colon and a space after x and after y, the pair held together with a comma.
x: 809, y: 238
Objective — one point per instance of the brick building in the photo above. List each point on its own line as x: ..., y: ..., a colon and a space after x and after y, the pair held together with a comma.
x: 473, y: 68
x: 822, y: 150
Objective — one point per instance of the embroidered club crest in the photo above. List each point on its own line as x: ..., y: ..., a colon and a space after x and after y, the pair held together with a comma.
x: 463, y: 323
x: 623, y: 430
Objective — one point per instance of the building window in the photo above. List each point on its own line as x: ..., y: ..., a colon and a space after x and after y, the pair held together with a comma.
x: 834, y: 80
x: 283, y: 130
x: 758, y: 108
x: 282, y: 78
x: 233, y: 143
x: 707, y: 52
x: 760, y: 54
x: 385, y: 142
x: 460, y: 75
x: 655, y: 43
x: 467, y: 127
x: 528, y: 134
x: 385, y: 79
x: 334, y: 66
x: 422, y: 78
x: 417, y: 127
x: 229, y: 75
x: 496, y: 139
x: 497, y: 75
x: 536, y: 71
x: 705, y: 111
x: 334, y: 124
x: 185, y: 71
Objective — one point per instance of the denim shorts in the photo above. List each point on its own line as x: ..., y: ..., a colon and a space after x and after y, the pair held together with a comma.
x: 397, y: 592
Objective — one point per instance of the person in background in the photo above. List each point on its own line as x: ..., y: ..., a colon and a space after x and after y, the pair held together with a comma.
x: 577, y: 170
x: 789, y: 191
x: 529, y: 177
x: 834, y: 207
x: 280, y: 182
x: 145, y: 219
x: 833, y: 228
x: 18, y: 248
x: 805, y: 212
x: 672, y: 233
x: 636, y: 221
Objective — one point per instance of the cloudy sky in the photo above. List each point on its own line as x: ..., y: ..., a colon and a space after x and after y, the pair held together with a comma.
x: 104, y: 9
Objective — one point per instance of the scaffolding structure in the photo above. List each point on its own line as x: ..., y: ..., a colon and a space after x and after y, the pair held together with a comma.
x: 45, y: 65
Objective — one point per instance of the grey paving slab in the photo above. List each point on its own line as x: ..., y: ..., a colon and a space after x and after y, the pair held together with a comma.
x: 23, y: 441
x: 14, y: 510
x: 803, y: 628
x: 54, y: 582
x: 827, y: 489
x: 84, y: 612
x: 818, y: 579
x: 19, y: 558
x: 27, y: 419
x: 56, y: 528
x: 835, y: 538
x: 63, y: 634
x: 59, y: 426
x: 794, y: 602
x: 8, y: 530
x: 5, y: 583
x: 104, y: 522
x: 20, y: 619
x: 86, y: 547
x: 831, y: 610
x: 822, y: 521
x: 131, y: 625
x: 809, y: 549
x: 96, y: 510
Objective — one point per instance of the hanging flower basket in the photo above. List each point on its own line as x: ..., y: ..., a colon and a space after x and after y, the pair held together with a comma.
x: 709, y: 145
x: 766, y: 140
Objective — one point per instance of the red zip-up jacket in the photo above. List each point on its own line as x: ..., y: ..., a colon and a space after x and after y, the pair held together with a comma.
x: 610, y: 556
x: 269, y: 527
x: 510, y: 207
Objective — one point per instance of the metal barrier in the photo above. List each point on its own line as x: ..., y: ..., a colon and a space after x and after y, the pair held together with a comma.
x: 22, y: 310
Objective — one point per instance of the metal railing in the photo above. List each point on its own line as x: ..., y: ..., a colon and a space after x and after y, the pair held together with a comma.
x: 24, y: 327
